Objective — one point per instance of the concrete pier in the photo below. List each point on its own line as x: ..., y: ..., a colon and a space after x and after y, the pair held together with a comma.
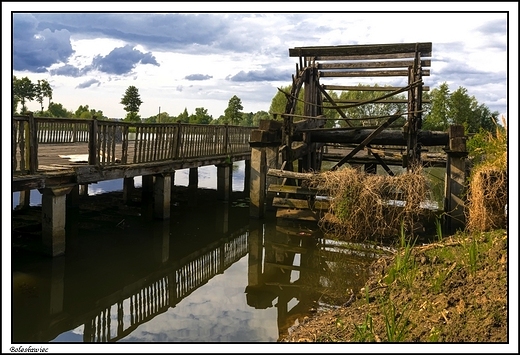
x: 53, y: 219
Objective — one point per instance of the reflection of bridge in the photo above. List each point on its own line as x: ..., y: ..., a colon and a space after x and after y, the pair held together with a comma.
x: 156, y: 294
x: 116, y: 312
x: 107, y: 150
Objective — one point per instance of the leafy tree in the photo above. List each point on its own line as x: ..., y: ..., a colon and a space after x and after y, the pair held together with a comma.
x: 260, y: 115
x: 42, y: 90
x: 458, y: 108
x: 247, y: 119
x: 57, y: 110
x: 184, y: 117
x: 132, y: 102
x: 201, y: 116
x: 371, y: 109
x: 279, y: 102
x: 233, y: 113
x: 23, y: 90
x: 86, y: 112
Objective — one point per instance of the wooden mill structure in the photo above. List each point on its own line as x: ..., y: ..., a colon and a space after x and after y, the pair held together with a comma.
x: 295, y: 145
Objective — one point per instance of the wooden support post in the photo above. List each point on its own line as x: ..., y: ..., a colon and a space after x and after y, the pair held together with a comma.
x: 33, y: 144
x: 93, y: 157
x: 83, y: 190
x: 224, y: 181
x: 24, y: 200
x: 147, y: 195
x: 53, y: 219
x: 222, y: 219
x: 128, y: 189
x: 73, y: 197
x: 162, y: 195
x: 193, y: 180
x: 455, y: 182
x: 247, y: 175
x: 272, y: 162
x: 172, y: 185
x: 258, y: 177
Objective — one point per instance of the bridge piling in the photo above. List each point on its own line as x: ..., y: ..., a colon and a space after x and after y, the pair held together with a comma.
x: 53, y: 219
x: 162, y: 195
x: 224, y: 181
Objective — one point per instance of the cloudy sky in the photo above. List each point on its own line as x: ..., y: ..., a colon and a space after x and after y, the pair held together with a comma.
x: 180, y: 59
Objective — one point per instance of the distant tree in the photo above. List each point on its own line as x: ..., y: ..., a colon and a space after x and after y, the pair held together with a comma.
x: 15, y: 103
x: 132, y: 103
x: 247, y: 119
x: 184, y: 116
x: 371, y: 109
x: 87, y: 112
x: 23, y: 90
x: 57, y: 110
x: 279, y: 102
x: 260, y: 115
x: 42, y: 90
x: 448, y: 108
x: 233, y: 113
x: 200, y: 116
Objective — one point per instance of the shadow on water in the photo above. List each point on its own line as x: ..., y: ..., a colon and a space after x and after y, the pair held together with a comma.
x: 209, y: 274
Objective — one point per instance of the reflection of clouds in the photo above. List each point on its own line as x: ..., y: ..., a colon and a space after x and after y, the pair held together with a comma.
x: 105, y: 186
x: 215, y: 312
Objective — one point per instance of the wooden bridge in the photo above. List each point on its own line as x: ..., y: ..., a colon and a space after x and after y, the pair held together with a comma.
x: 60, y: 156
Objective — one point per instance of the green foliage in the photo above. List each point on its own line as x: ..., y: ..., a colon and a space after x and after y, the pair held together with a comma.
x: 490, y: 147
x: 404, y: 268
x: 42, y: 90
x: 132, y: 117
x: 365, y: 331
x: 201, y: 116
x: 279, y: 102
x: 458, y: 107
x: 86, y: 112
x: 260, y: 115
x: 233, y: 113
x: 131, y: 101
x: 395, y: 325
x: 347, y: 98
x: 23, y: 90
x: 57, y: 110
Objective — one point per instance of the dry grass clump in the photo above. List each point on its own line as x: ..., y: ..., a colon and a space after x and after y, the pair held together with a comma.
x: 366, y: 205
x: 487, y: 197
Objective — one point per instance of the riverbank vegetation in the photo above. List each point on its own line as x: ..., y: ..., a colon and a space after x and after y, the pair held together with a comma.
x: 452, y: 289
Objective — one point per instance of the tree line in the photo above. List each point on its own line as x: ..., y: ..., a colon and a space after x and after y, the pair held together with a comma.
x: 442, y: 108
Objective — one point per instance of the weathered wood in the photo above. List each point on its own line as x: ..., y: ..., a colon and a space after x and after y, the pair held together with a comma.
x: 363, y: 49
x: 293, y: 203
x: 403, y: 55
x: 290, y: 174
x: 366, y: 141
x: 367, y: 73
x: 385, y: 137
x: 293, y: 190
x: 365, y: 65
x: 366, y: 88
x: 301, y: 215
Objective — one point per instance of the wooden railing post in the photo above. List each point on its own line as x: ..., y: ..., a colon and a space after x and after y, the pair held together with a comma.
x: 178, y: 142
x: 93, y: 158
x: 226, y: 138
x: 33, y: 144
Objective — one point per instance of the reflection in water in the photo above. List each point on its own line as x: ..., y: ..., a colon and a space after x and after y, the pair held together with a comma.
x: 209, y: 274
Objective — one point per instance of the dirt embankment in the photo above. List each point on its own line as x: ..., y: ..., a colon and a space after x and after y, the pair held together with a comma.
x: 453, y: 290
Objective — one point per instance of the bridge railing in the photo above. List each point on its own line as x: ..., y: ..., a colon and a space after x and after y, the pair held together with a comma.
x: 116, y: 142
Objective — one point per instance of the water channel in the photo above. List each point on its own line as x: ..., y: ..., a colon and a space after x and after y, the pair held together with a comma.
x: 210, y: 274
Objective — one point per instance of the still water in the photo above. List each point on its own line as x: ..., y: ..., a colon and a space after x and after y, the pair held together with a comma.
x: 207, y: 275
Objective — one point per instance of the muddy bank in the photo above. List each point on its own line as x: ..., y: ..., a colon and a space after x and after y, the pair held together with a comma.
x: 452, y: 290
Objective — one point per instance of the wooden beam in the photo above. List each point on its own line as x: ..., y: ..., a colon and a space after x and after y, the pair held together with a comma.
x: 365, y: 65
x: 366, y: 88
x: 366, y: 141
x: 365, y: 49
x: 367, y: 73
x: 289, y: 189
